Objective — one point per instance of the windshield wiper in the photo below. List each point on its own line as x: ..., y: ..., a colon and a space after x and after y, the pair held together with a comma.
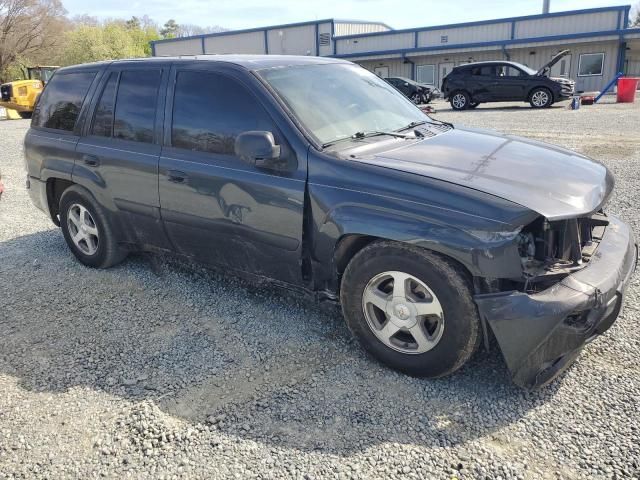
x: 411, y: 125
x: 361, y: 135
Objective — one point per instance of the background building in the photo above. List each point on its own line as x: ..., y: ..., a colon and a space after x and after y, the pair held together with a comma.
x: 600, y: 41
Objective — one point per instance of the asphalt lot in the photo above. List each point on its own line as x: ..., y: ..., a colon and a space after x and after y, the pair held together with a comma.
x: 155, y: 370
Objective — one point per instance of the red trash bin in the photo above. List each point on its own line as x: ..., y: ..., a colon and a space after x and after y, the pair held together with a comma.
x: 627, y: 89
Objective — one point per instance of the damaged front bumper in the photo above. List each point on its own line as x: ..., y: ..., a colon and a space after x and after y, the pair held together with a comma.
x: 541, y: 334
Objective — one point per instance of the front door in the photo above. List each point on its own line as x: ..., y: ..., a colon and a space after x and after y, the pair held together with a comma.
x: 215, y: 206
x: 120, y: 147
x: 511, y: 83
x: 382, y: 72
x: 444, y: 69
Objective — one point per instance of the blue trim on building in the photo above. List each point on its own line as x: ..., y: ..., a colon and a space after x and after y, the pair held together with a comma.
x: 513, y: 29
x: 491, y: 22
x: 497, y: 43
x: 202, y: 45
x: 266, y: 41
x: 246, y: 30
x: 153, y: 49
x: 622, y: 55
x: 333, y: 36
x: 627, y: 10
x: 415, y: 41
x: 317, y: 41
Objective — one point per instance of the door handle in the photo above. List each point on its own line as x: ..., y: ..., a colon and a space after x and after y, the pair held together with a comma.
x: 91, y: 160
x: 176, y: 176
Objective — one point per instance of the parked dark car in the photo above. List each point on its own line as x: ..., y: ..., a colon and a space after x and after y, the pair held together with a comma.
x: 416, y: 92
x: 469, y: 85
x: 317, y: 174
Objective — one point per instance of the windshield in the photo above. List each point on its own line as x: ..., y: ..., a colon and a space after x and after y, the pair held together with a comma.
x: 528, y: 71
x: 336, y: 101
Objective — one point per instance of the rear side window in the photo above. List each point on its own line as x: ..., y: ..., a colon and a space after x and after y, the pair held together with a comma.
x: 135, y: 110
x: 210, y: 110
x: 103, y: 118
x: 486, y: 71
x: 62, y: 100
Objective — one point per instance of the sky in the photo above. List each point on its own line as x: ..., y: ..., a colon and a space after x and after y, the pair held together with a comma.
x: 238, y: 14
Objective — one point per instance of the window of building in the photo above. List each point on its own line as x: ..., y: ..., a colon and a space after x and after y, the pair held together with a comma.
x: 103, y: 117
x: 210, y: 110
x: 62, y: 100
x: 591, y: 64
x: 135, y: 110
x: 426, y: 74
x: 444, y: 39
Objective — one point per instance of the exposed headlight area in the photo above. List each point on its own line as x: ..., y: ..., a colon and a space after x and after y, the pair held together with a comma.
x: 550, y: 251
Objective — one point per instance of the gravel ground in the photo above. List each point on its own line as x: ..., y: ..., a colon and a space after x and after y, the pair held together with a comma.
x: 154, y: 370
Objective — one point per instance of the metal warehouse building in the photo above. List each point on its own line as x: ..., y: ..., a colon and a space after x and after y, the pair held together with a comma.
x: 600, y: 41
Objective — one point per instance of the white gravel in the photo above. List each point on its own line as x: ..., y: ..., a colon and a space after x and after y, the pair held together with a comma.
x: 154, y: 370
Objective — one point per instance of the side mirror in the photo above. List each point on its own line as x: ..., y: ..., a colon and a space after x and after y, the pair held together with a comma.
x: 406, y: 84
x: 258, y: 148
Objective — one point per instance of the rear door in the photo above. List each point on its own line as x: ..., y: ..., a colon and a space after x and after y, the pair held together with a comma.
x: 215, y: 206
x: 481, y: 83
x: 120, y: 148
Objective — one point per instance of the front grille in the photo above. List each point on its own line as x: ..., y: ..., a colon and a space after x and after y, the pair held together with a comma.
x: 6, y: 92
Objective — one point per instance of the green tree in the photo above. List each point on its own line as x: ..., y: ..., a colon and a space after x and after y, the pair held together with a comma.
x: 635, y: 21
x: 108, y: 41
x: 170, y: 29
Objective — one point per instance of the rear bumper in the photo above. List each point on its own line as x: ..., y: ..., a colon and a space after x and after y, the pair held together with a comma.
x: 541, y: 334
x: 38, y: 192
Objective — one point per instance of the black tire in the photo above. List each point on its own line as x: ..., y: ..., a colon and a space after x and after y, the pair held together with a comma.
x: 416, y: 98
x: 540, y: 92
x: 461, y: 333
x: 460, y: 100
x: 25, y: 115
x: 108, y: 252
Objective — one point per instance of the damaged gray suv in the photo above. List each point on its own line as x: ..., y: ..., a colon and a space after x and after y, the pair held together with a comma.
x: 320, y: 176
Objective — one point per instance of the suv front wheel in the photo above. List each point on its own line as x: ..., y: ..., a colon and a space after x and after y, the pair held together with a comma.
x: 540, y: 97
x: 410, y: 308
x: 460, y: 100
x: 87, y: 231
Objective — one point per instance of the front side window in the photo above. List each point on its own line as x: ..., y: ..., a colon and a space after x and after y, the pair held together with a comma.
x: 336, y: 101
x: 62, y: 100
x: 508, y: 71
x: 135, y: 109
x: 210, y: 110
x: 591, y: 64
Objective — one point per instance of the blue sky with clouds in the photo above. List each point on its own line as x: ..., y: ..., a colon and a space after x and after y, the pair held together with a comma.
x: 236, y: 14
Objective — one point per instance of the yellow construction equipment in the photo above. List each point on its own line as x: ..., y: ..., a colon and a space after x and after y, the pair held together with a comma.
x: 22, y: 95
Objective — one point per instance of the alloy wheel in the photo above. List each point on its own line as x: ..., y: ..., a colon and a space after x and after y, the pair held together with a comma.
x: 83, y: 229
x: 459, y: 100
x: 403, y: 312
x: 540, y: 98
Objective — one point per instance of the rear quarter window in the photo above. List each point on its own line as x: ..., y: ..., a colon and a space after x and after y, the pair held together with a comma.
x: 62, y: 100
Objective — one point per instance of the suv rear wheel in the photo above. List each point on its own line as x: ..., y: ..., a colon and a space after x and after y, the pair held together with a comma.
x: 460, y: 100
x: 540, y: 97
x: 87, y: 231
x: 410, y: 308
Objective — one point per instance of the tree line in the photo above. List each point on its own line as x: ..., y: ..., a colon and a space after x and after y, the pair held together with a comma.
x: 39, y: 32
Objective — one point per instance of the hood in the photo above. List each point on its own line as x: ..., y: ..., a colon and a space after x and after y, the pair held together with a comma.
x: 556, y: 58
x: 552, y: 181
